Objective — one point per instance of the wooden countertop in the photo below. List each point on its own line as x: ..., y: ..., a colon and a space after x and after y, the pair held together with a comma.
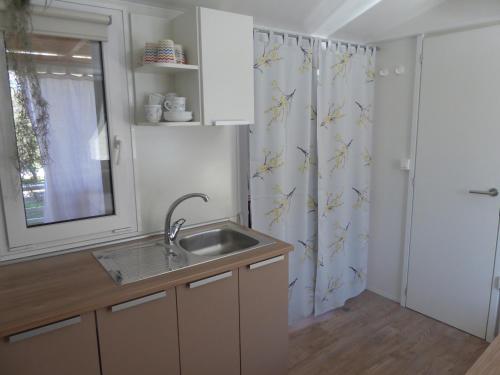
x: 39, y: 292
x: 489, y: 362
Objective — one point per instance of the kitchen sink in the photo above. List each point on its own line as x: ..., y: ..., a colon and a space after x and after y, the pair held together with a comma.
x: 135, y: 262
x: 219, y: 241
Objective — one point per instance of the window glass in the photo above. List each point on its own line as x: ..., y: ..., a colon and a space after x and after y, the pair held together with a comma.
x: 63, y: 151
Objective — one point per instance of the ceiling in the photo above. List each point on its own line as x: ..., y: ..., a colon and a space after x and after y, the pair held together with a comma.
x: 281, y: 14
x: 393, y: 19
x: 352, y: 20
x: 302, y: 16
x: 384, y: 17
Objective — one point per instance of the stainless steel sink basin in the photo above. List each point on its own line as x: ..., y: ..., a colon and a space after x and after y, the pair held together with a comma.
x: 133, y: 263
x: 217, y: 241
x: 127, y: 264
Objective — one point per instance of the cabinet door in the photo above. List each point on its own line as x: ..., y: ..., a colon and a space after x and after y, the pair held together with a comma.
x: 209, y: 325
x: 226, y: 47
x: 65, y: 347
x: 140, y: 336
x: 264, y: 317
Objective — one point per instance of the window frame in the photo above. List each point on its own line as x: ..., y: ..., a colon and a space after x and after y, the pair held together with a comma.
x: 27, y: 241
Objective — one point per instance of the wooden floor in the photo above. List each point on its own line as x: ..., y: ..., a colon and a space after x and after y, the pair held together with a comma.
x: 373, y: 335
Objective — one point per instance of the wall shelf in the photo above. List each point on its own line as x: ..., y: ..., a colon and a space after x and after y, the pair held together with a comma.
x: 166, y: 68
x: 169, y: 124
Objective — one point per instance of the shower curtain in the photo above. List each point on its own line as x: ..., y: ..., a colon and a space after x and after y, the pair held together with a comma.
x: 310, y: 157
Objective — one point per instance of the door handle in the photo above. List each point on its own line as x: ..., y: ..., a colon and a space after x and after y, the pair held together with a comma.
x: 44, y: 329
x: 138, y: 301
x: 210, y: 279
x: 492, y: 192
x: 266, y: 262
x: 230, y: 122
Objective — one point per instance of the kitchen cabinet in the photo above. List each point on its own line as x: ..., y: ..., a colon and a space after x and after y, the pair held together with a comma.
x: 264, y: 317
x: 226, y: 54
x: 209, y: 325
x: 218, y: 81
x: 64, y: 347
x: 224, y: 317
x: 140, y: 336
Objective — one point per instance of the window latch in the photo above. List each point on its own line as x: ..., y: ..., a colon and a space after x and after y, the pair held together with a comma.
x: 117, y: 146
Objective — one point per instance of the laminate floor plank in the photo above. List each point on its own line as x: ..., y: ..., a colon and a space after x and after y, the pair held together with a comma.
x: 374, y: 336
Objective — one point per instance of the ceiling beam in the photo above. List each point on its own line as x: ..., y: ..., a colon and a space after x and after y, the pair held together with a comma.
x: 344, y: 13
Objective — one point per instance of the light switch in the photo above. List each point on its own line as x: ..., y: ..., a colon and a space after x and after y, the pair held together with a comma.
x: 405, y: 164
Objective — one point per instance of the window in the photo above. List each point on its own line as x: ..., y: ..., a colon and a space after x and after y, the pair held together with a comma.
x: 66, y: 169
x: 65, y: 172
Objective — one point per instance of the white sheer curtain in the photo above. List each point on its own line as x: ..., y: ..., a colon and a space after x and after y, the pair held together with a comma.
x: 309, y: 158
x: 73, y: 177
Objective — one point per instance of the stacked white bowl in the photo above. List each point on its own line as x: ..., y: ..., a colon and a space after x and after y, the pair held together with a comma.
x: 175, y: 109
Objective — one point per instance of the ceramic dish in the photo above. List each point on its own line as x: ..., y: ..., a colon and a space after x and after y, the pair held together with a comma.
x: 178, y: 116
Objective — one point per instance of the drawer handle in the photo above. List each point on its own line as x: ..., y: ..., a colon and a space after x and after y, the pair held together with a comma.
x: 231, y: 122
x: 266, y: 262
x: 44, y: 329
x: 211, y: 279
x: 138, y: 301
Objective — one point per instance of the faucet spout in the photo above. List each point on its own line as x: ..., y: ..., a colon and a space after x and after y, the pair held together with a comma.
x: 172, y: 231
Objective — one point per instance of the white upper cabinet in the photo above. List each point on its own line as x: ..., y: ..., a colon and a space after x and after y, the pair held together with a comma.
x: 218, y: 80
x: 226, y: 57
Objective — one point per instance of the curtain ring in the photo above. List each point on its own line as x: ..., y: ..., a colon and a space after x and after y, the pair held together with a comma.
x: 271, y: 36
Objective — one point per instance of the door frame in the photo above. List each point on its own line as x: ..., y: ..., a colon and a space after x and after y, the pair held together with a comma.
x: 493, y: 322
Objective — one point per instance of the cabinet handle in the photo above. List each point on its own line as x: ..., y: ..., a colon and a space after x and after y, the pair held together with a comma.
x: 231, y: 122
x: 266, y: 262
x: 211, y: 279
x: 44, y: 329
x: 138, y: 301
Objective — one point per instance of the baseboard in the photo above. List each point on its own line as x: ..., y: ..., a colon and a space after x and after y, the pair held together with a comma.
x: 384, y: 294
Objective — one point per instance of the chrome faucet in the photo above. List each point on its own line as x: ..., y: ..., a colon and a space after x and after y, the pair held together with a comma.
x: 171, y: 231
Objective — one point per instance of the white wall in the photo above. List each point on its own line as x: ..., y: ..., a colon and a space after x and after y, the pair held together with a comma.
x: 393, y: 111
x: 170, y: 162
x: 392, y: 123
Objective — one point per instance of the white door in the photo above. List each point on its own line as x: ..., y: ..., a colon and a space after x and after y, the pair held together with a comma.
x: 454, y: 232
x: 226, y: 41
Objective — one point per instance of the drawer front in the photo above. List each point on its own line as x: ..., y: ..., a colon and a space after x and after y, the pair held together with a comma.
x: 140, y: 336
x: 209, y: 325
x: 65, y: 347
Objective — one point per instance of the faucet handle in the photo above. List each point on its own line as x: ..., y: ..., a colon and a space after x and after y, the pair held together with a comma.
x: 176, y: 227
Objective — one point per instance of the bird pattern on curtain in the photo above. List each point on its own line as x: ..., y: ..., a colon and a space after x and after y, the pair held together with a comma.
x: 310, y: 157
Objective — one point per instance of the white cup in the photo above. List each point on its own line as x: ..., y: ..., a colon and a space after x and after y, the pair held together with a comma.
x: 155, y: 99
x: 153, y: 112
x: 178, y: 104
x: 169, y: 98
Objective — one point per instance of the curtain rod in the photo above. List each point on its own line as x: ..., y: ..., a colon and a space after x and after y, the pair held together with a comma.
x: 311, y: 37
